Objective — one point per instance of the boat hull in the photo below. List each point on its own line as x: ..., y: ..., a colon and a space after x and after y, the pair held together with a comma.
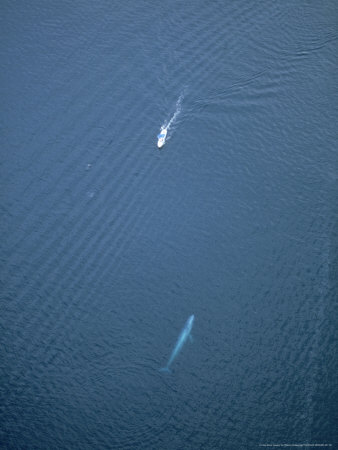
x: 161, y: 138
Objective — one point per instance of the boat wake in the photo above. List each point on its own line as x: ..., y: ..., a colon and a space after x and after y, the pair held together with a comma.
x: 173, y: 119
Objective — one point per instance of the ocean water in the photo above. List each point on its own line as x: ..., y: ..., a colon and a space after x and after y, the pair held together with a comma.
x: 109, y: 244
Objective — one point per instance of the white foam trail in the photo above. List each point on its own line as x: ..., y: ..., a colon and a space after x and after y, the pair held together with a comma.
x: 176, y: 113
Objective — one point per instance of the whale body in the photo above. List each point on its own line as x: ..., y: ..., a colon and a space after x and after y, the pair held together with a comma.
x: 184, y: 335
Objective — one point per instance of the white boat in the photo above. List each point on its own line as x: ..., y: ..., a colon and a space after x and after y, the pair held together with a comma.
x: 162, y: 137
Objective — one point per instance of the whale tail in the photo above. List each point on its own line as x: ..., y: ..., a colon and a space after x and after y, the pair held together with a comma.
x: 165, y: 369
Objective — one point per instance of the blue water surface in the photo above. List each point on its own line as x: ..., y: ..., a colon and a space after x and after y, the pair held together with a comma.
x: 109, y: 244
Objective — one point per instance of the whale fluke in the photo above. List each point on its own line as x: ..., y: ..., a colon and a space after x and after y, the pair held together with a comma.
x: 165, y: 369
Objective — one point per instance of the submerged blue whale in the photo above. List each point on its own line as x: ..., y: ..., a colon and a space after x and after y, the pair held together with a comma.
x: 184, y: 335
